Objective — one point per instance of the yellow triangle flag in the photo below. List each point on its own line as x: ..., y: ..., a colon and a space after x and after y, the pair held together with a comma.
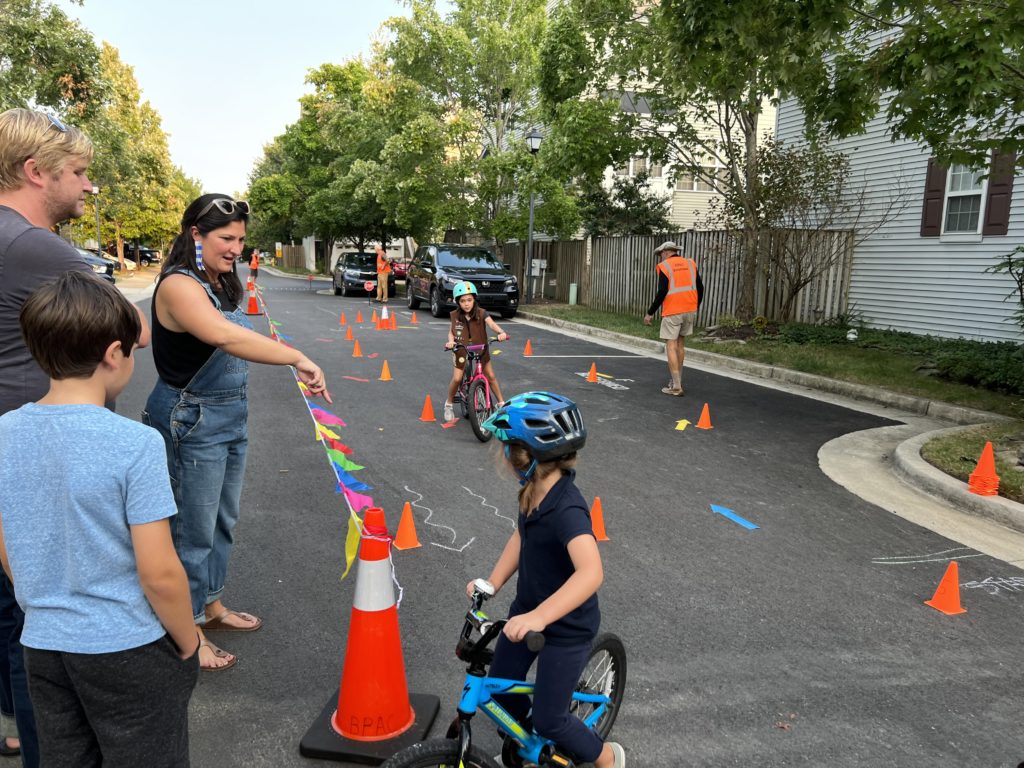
x: 323, y: 431
x: 355, y: 525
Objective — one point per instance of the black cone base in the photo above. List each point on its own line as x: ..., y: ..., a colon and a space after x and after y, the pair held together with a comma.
x: 323, y: 742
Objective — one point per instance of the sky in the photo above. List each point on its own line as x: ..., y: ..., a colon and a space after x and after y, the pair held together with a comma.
x: 224, y: 76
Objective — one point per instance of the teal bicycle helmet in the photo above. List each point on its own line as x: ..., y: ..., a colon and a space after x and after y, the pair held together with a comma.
x: 547, y: 425
x: 462, y: 289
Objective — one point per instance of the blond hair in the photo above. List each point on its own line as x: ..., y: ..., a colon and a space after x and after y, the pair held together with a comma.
x: 520, y: 458
x: 25, y: 133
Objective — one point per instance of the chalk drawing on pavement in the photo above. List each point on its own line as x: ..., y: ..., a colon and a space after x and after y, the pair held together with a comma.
x: 483, y: 503
x: 957, y: 553
x: 995, y: 584
x: 426, y: 521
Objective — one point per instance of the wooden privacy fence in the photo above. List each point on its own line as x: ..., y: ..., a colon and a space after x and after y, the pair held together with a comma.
x: 620, y: 276
x: 293, y: 256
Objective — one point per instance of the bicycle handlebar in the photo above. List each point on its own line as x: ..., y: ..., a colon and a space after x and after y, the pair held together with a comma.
x: 491, y: 629
x: 475, y: 347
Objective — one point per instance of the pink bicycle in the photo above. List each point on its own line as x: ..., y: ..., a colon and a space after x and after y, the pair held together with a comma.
x: 474, y: 393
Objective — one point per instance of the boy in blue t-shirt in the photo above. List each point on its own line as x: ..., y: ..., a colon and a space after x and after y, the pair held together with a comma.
x: 110, y: 645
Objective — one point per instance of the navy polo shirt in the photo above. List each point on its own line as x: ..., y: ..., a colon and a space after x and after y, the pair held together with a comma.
x: 545, y: 565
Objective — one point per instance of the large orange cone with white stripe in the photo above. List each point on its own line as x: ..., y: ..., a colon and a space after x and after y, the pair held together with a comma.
x: 375, y: 716
x: 254, y: 305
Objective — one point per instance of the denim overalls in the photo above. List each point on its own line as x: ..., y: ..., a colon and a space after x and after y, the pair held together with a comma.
x: 206, y: 436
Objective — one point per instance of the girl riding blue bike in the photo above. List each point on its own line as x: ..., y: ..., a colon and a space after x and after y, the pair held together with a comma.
x: 469, y: 326
x: 554, y: 551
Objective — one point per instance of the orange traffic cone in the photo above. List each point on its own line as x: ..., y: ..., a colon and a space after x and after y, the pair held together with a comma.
x: 385, y: 372
x: 592, y: 374
x: 342, y: 320
x: 374, y: 318
x: 384, y: 315
x: 597, y: 520
x: 250, y: 284
x: 359, y: 315
x: 254, y: 306
x: 357, y: 350
x: 373, y: 715
x: 528, y: 349
x: 984, y: 481
x: 406, y: 537
x: 348, y: 334
x: 428, y: 410
x: 704, y: 422
x: 947, y: 595
x: 394, y: 322
x: 413, y: 320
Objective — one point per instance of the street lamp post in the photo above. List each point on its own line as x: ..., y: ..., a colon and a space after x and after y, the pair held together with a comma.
x: 96, y: 204
x: 533, y: 140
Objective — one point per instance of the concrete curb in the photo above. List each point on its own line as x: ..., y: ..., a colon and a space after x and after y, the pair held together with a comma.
x: 913, y: 469
x: 919, y: 405
x: 907, y: 461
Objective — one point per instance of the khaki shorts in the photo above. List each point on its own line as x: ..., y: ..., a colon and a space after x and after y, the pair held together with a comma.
x: 674, y: 326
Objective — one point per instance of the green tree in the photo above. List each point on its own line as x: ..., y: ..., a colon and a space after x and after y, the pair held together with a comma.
x: 628, y: 208
x: 46, y: 59
x: 950, y: 74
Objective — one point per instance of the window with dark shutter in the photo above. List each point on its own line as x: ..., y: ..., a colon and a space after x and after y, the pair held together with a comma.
x: 934, y: 196
x: 1000, y: 190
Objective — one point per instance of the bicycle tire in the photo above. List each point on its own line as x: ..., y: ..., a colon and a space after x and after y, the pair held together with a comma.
x: 604, y: 672
x: 478, y: 410
x: 438, y: 753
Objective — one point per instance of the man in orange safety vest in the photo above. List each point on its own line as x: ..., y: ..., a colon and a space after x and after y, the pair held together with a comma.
x: 254, y: 264
x: 680, y: 291
x: 383, y: 273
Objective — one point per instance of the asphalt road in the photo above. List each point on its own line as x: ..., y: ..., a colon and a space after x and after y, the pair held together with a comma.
x: 803, y: 642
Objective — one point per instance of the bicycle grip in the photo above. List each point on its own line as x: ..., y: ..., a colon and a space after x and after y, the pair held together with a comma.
x: 534, y: 641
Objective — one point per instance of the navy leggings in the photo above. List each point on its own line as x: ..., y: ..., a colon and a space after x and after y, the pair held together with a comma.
x: 558, y: 669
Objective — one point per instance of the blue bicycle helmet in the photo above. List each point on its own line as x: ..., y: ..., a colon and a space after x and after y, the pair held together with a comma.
x: 462, y: 289
x: 549, y: 426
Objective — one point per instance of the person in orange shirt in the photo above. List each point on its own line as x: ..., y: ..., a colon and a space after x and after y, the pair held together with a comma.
x: 254, y: 264
x: 383, y: 274
x: 680, y: 291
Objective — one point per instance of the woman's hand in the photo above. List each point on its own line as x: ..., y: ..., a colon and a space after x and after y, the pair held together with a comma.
x: 311, y: 375
x: 517, y: 626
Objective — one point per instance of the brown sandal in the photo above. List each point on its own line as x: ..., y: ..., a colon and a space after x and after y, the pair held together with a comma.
x: 217, y: 623
x: 219, y: 653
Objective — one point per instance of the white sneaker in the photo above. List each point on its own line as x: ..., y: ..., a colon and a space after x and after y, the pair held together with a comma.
x: 449, y: 411
x: 618, y: 755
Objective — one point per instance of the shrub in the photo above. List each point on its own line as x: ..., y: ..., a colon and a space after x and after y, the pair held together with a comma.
x: 998, y: 366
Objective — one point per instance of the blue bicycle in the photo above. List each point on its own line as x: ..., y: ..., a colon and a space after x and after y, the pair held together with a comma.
x: 595, y: 701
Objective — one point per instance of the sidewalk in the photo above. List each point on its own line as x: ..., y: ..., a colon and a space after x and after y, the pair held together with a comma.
x: 872, y: 464
x: 137, y: 285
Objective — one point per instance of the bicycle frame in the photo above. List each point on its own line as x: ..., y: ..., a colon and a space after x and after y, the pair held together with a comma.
x: 473, y: 358
x: 477, y: 694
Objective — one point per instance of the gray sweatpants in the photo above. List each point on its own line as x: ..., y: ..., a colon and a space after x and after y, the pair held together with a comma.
x: 116, y: 710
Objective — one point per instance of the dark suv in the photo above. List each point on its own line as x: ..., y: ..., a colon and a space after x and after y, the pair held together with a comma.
x: 436, y: 269
x: 354, y: 270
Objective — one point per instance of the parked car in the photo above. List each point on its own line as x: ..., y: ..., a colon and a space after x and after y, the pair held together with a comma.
x: 436, y: 269
x: 400, y: 268
x: 354, y: 270
x: 145, y: 256
x: 102, y: 267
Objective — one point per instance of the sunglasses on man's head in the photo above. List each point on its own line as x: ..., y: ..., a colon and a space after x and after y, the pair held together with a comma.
x: 225, y: 206
x: 54, y: 122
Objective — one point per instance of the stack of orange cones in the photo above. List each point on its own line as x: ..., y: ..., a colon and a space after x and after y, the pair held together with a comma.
x: 947, y: 595
x: 253, y: 307
x: 528, y: 349
x: 592, y: 374
x: 348, y: 334
x: 704, y: 422
x: 373, y: 715
x: 357, y: 350
x: 413, y: 320
x: 984, y: 481
x: 597, y: 520
x: 385, y: 372
x: 359, y: 315
x: 406, y: 537
x: 428, y: 410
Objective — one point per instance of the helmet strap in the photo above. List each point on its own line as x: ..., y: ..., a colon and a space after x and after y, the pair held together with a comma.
x: 524, y: 475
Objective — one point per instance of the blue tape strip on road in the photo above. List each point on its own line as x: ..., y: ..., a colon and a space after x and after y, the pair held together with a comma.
x: 724, y: 512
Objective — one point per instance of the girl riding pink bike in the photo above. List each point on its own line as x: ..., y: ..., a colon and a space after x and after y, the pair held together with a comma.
x: 469, y: 327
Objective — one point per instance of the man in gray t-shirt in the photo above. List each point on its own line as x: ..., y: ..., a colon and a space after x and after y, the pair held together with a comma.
x: 43, y: 182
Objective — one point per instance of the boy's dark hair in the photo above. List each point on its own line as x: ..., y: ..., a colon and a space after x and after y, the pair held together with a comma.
x: 69, y: 323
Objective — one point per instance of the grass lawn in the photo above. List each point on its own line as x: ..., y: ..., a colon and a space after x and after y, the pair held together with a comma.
x: 878, y: 358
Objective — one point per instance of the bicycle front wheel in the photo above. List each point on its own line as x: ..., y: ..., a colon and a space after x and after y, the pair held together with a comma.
x: 479, y: 410
x: 438, y: 753
x: 604, y: 673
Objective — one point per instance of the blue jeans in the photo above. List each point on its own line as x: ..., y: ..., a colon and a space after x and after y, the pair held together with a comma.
x: 558, y: 669
x: 14, y: 696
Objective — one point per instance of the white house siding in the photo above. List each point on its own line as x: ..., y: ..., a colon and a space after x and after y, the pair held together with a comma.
x: 924, y: 285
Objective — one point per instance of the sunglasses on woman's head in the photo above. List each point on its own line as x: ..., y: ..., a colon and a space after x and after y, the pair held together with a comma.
x: 57, y: 124
x: 225, y: 206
